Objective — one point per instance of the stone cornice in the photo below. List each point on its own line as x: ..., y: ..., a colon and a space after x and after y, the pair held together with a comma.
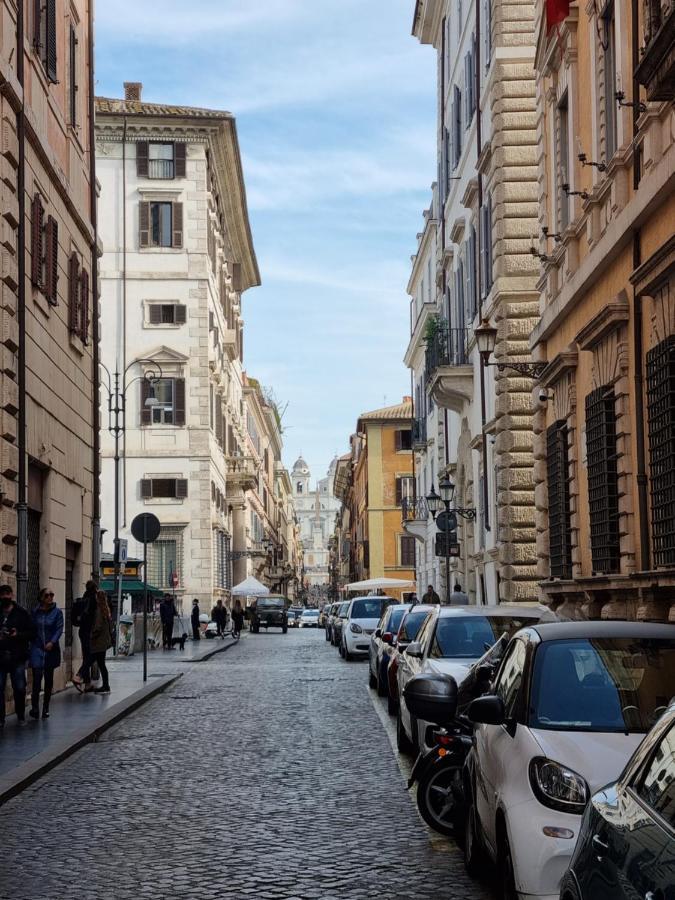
x: 565, y: 361
x: 470, y: 194
x: 483, y: 161
x: 457, y: 230
x: 611, y: 316
x: 655, y: 267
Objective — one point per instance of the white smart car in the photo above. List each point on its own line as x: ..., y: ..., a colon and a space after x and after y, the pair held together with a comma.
x: 363, y: 614
x: 570, y: 704
x: 309, y: 618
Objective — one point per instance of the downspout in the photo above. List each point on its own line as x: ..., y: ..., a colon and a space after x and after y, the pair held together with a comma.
x: 443, y: 197
x: 635, y: 54
x: 93, y: 212
x: 123, y: 366
x: 638, y: 353
x: 22, y: 505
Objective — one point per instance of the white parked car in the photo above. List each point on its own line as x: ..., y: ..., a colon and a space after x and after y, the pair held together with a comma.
x: 309, y: 618
x: 449, y: 642
x: 570, y: 704
x: 363, y: 614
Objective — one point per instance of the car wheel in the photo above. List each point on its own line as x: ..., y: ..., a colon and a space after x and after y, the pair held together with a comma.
x: 372, y: 680
x: 284, y: 630
x: 346, y: 655
x: 382, y: 687
x: 392, y: 705
x: 403, y: 742
x: 327, y: 634
x: 506, y: 874
x: 474, y: 857
x: 341, y: 649
x: 438, y: 797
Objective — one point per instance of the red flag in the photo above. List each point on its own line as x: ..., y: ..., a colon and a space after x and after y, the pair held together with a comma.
x: 556, y: 12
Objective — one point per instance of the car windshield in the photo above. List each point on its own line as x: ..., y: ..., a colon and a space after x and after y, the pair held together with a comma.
x: 271, y: 603
x: 311, y: 612
x: 368, y: 608
x: 468, y: 637
x: 342, y: 611
x: 603, y: 684
x: 411, y: 625
x: 395, y: 620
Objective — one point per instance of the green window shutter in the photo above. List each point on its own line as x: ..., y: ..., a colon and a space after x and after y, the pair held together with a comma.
x: 155, y: 314
x: 142, y: 165
x: 51, y: 40
x: 144, y: 224
x: 52, y: 261
x: 84, y: 305
x: 74, y: 294
x: 179, y: 402
x: 179, y: 160
x: 177, y: 224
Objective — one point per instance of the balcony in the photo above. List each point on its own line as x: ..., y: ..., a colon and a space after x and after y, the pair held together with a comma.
x: 656, y: 69
x: 241, y: 473
x: 414, y: 517
x: 419, y: 434
x: 449, y: 372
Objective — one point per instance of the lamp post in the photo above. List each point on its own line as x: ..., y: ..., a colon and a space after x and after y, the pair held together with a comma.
x: 436, y: 503
x: 486, y: 341
x: 116, y: 390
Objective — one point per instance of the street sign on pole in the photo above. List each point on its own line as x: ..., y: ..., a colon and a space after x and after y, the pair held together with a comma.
x: 146, y: 528
x: 123, y: 551
x: 447, y: 521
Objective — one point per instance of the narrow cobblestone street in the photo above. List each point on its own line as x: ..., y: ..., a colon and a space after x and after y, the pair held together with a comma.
x: 263, y: 773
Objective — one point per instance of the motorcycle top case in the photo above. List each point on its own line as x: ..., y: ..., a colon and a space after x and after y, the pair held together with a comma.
x: 432, y: 697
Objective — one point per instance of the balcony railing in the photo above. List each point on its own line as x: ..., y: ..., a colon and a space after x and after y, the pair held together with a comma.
x: 414, y: 509
x: 241, y: 472
x: 419, y: 434
x: 656, y: 69
x: 160, y: 168
x: 447, y: 347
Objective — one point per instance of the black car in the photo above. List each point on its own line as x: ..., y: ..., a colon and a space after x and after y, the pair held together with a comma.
x: 626, y: 844
x: 269, y: 612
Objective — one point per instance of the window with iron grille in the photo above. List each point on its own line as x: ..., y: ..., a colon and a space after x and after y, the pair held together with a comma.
x: 557, y: 466
x: 222, y: 559
x: 603, y: 487
x: 661, y: 424
x: 165, y: 557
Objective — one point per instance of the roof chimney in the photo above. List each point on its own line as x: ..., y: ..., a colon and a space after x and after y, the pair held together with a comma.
x: 407, y: 399
x: 133, y: 90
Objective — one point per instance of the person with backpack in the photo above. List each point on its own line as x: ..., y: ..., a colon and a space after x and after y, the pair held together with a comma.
x: 101, y: 639
x: 84, y: 611
x: 45, y: 650
x: 16, y: 631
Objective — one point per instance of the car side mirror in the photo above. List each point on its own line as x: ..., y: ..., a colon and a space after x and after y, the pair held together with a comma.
x: 488, y: 710
x: 378, y: 632
x: 415, y: 649
x: 388, y: 637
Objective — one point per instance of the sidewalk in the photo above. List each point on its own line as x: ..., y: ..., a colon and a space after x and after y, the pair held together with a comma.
x: 30, y: 750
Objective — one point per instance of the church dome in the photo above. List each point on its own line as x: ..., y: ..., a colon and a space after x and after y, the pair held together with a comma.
x: 300, y: 467
x: 333, y: 466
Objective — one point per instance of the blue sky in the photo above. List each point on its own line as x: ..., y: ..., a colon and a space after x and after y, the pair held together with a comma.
x: 335, y: 108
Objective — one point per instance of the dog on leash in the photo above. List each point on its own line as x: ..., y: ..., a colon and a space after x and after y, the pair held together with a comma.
x: 179, y: 641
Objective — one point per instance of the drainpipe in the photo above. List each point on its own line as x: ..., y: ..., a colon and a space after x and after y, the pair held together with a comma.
x: 123, y: 366
x: 638, y: 353
x: 635, y: 59
x: 96, y: 466
x: 22, y: 505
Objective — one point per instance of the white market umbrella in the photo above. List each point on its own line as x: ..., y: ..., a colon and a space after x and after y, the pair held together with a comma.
x: 372, y: 584
x: 250, y: 587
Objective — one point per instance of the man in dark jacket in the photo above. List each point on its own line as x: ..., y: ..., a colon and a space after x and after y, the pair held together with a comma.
x: 431, y: 596
x: 219, y: 616
x: 194, y: 619
x: 84, y: 611
x: 16, y: 632
x: 167, y: 613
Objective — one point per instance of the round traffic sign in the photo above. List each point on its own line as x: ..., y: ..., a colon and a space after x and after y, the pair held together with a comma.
x: 447, y: 521
x: 145, y: 528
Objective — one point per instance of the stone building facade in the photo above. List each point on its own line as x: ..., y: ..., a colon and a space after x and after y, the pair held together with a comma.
x: 48, y: 308
x: 178, y: 257
x: 315, y: 508
x: 605, y: 440
x: 484, y: 215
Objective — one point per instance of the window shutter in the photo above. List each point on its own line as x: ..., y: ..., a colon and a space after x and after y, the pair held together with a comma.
x: 177, y: 223
x: 488, y: 242
x: 51, y: 40
x: 84, y: 305
x: 144, y: 223
x: 37, y: 227
x: 179, y: 402
x: 181, y: 314
x: 37, y: 24
x: 179, y: 160
x: 483, y: 251
x: 181, y: 488
x: 398, y: 439
x: 451, y: 137
x: 458, y: 124
x: 219, y: 421
x: 72, y: 46
x: 155, y: 314
x: 230, y: 441
x: 146, y: 488
x: 399, y: 491
x: 471, y: 274
x: 74, y: 294
x: 52, y: 261
x: 142, y: 165
x: 146, y: 412
x: 467, y: 89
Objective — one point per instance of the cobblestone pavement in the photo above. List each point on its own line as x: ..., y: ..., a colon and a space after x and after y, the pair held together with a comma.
x: 263, y: 773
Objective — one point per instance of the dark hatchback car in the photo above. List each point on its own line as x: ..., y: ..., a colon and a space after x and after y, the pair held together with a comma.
x: 407, y: 633
x: 269, y: 612
x: 626, y: 845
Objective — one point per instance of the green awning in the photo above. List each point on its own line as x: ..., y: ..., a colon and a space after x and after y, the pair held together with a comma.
x: 130, y: 586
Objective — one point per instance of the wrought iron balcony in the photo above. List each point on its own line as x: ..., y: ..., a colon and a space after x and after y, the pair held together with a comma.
x: 656, y: 69
x: 419, y: 434
x: 449, y: 372
x: 241, y: 472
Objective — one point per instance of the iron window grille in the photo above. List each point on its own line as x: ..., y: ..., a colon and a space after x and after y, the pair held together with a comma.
x: 661, y: 428
x: 603, y: 485
x: 557, y: 465
x: 165, y: 557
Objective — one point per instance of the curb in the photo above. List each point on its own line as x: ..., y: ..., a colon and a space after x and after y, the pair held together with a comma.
x: 23, y: 776
x: 209, y: 653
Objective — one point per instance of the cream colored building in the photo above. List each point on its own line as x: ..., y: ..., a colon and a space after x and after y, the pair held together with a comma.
x: 178, y: 257
x: 481, y: 221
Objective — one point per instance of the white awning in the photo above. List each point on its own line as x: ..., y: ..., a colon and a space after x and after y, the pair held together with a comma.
x: 250, y: 587
x: 372, y: 584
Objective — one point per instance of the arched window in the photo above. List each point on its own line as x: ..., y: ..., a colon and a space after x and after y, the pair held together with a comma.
x: 299, y: 487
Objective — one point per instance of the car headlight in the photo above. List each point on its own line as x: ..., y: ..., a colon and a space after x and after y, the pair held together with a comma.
x: 355, y: 629
x: 558, y: 787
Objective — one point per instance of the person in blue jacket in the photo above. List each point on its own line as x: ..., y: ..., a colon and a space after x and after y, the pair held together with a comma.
x: 45, y: 650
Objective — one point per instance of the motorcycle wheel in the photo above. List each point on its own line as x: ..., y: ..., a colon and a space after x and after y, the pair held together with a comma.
x: 437, y: 794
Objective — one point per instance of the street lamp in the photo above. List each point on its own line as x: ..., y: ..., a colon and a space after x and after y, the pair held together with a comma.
x: 486, y: 341
x: 117, y: 401
x: 437, y: 502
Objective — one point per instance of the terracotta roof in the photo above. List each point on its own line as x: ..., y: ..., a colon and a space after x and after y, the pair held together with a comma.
x: 110, y: 106
x: 400, y: 411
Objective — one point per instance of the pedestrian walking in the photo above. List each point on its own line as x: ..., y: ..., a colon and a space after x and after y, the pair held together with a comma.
x: 84, y: 612
x: 101, y: 639
x: 237, y: 618
x: 16, y: 631
x: 431, y: 596
x: 45, y: 650
x: 194, y: 619
x: 458, y: 597
x: 167, y: 614
x: 219, y: 616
